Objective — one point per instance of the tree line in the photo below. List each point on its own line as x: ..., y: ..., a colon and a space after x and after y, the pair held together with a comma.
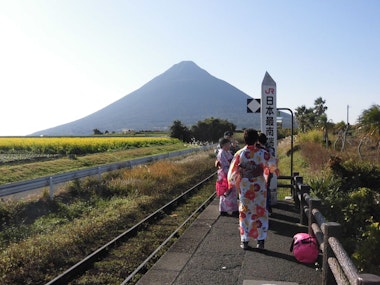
x: 208, y: 130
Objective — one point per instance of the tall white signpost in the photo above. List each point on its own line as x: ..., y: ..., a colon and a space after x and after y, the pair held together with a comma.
x: 269, y: 122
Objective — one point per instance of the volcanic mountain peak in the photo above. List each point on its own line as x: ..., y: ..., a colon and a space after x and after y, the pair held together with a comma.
x: 184, y: 92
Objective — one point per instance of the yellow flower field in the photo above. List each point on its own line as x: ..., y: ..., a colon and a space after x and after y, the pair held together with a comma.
x: 77, y: 145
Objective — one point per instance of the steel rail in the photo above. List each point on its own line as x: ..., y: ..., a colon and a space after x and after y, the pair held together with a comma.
x: 173, y: 234
x: 82, y: 265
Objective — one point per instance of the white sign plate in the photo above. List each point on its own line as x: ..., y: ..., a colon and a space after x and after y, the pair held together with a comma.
x: 253, y: 105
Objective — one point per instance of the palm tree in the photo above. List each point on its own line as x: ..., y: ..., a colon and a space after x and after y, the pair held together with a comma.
x: 369, y: 123
x: 369, y: 120
x: 305, y: 118
x: 320, y: 112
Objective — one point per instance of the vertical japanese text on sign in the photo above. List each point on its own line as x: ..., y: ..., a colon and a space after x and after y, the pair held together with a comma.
x: 269, y: 110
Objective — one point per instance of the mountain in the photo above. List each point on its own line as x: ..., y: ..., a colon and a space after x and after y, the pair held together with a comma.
x: 185, y: 92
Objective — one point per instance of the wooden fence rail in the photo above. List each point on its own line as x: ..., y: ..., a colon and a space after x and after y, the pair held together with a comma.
x: 337, y: 266
x: 51, y: 181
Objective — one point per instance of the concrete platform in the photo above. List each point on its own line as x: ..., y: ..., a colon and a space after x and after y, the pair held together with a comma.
x: 209, y: 253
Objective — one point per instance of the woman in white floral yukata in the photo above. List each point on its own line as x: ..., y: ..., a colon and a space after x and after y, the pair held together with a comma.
x: 227, y: 197
x: 248, y: 172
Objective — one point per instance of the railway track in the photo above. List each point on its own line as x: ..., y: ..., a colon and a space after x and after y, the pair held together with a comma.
x: 124, y: 259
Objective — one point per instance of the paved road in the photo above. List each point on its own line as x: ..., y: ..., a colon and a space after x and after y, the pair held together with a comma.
x: 209, y: 253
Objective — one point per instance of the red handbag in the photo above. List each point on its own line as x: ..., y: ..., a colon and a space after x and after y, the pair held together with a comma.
x: 221, y: 186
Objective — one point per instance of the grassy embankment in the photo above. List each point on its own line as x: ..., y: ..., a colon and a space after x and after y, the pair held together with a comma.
x: 41, y: 237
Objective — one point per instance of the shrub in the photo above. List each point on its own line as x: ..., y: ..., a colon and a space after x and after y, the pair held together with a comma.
x: 315, y: 136
x: 364, y: 256
x: 348, y: 200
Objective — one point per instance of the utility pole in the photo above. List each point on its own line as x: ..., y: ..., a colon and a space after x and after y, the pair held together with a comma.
x: 347, y: 113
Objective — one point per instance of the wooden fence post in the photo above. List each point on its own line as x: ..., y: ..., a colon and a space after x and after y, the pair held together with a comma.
x: 331, y: 229
x: 293, y: 183
x: 368, y: 279
x: 313, y: 204
x: 303, y: 218
x: 297, y: 180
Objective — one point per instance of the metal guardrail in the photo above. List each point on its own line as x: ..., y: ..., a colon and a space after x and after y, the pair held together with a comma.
x: 50, y: 181
x: 337, y: 266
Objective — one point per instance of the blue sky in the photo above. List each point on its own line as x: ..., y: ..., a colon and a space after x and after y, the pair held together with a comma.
x: 63, y: 60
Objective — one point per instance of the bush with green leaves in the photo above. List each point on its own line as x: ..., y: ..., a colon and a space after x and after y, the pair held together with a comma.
x: 364, y: 255
x: 315, y: 136
x: 351, y: 195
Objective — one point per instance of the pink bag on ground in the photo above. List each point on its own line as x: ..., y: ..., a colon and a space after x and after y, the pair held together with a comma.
x: 304, y: 248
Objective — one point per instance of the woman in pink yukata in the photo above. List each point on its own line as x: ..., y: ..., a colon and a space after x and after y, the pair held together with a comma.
x: 248, y: 171
x: 227, y: 197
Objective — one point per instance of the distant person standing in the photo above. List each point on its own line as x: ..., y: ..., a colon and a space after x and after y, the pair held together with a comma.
x: 227, y: 196
x: 227, y: 135
x: 234, y: 146
x: 246, y: 173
